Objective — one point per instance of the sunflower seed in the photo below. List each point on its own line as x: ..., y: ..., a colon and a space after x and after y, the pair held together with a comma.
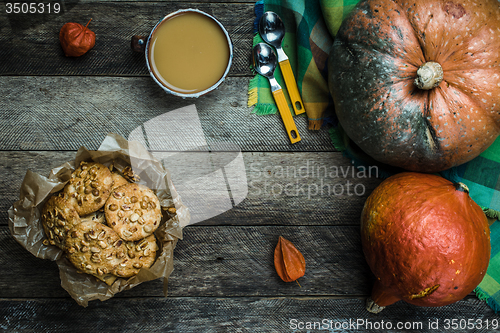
x: 148, y: 228
x: 95, y: 249
x: 131, y: 254
x: 84, y: 249
x: 126, y: 200
x: 134, y: 199
x: 95, y: 192
x: 113, y: 207
x: 101, y: 235
x: 117, y: 195
x: 126, y: 207
x: 142, y: 244
x: 126, y: 233
x: 89, y: 267
x: 88, y: 190
x: 137, y: 265
x: 134, y: 217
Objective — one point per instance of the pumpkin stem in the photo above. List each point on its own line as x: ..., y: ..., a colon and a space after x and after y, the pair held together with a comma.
x: 373, y: 307
x: 461, y: 187
x: 429, y: 76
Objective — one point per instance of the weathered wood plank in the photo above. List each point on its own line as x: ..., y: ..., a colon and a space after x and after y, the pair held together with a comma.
x: 63, y: 113
x: 267, y: 188
x: 219, y: 261
x: 241, y: 314
x: 30, y: 43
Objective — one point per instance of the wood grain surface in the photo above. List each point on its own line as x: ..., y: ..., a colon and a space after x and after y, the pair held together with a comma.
x: 223, y: 157
x: 233, y: 314
x: 218, y: 261
x: 30, y: 42
x: 281, y: 188
x: 64, y: 113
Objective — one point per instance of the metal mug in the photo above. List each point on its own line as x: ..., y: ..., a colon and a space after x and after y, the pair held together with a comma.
x: 142, y: 44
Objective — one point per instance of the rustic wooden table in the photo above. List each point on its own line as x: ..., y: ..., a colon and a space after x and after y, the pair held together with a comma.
x: 224, y: 279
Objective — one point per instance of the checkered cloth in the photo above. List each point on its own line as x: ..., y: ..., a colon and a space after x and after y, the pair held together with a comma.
x: 311, y: 26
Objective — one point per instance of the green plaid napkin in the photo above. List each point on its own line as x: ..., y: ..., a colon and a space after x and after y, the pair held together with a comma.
x: 311, y: 26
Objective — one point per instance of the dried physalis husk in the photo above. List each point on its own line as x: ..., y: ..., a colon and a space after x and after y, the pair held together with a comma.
x: 76, y: 39
x: 288, y: 261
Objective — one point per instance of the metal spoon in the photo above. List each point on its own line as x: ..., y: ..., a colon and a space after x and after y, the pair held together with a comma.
x: 264, y: 62
x: 272, y: 31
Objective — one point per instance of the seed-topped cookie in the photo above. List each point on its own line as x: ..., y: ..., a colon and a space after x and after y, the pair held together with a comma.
x: 118, y: 180
x: 94, y: 248
x: 89, y: 187
x: 133, y: 211
x: 58, y: 217
x: 140, y: 254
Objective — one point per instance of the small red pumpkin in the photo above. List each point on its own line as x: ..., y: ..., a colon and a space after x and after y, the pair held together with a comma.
x: 426, y: 241
x: 416, y: 84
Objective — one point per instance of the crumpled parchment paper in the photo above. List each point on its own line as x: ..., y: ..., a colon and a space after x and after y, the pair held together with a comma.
x: 26, y: 227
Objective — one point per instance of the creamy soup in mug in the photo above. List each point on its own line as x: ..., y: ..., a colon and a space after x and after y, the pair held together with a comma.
x: 188, y: 52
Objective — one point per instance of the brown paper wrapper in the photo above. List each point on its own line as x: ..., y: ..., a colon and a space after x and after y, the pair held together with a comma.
x: 26, y: 227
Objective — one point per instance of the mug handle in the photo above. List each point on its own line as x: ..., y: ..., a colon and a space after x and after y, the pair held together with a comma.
x: 138, y: 43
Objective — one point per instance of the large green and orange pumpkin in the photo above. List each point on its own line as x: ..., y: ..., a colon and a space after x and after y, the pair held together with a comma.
x: 416, y: 84
x: 425, y: 240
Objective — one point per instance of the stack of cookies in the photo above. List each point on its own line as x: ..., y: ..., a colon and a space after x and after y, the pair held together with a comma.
x: 104, y: 222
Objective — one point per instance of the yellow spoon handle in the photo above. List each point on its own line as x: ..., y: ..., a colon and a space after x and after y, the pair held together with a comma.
x: 291, y: 86
x: 286, y: 116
